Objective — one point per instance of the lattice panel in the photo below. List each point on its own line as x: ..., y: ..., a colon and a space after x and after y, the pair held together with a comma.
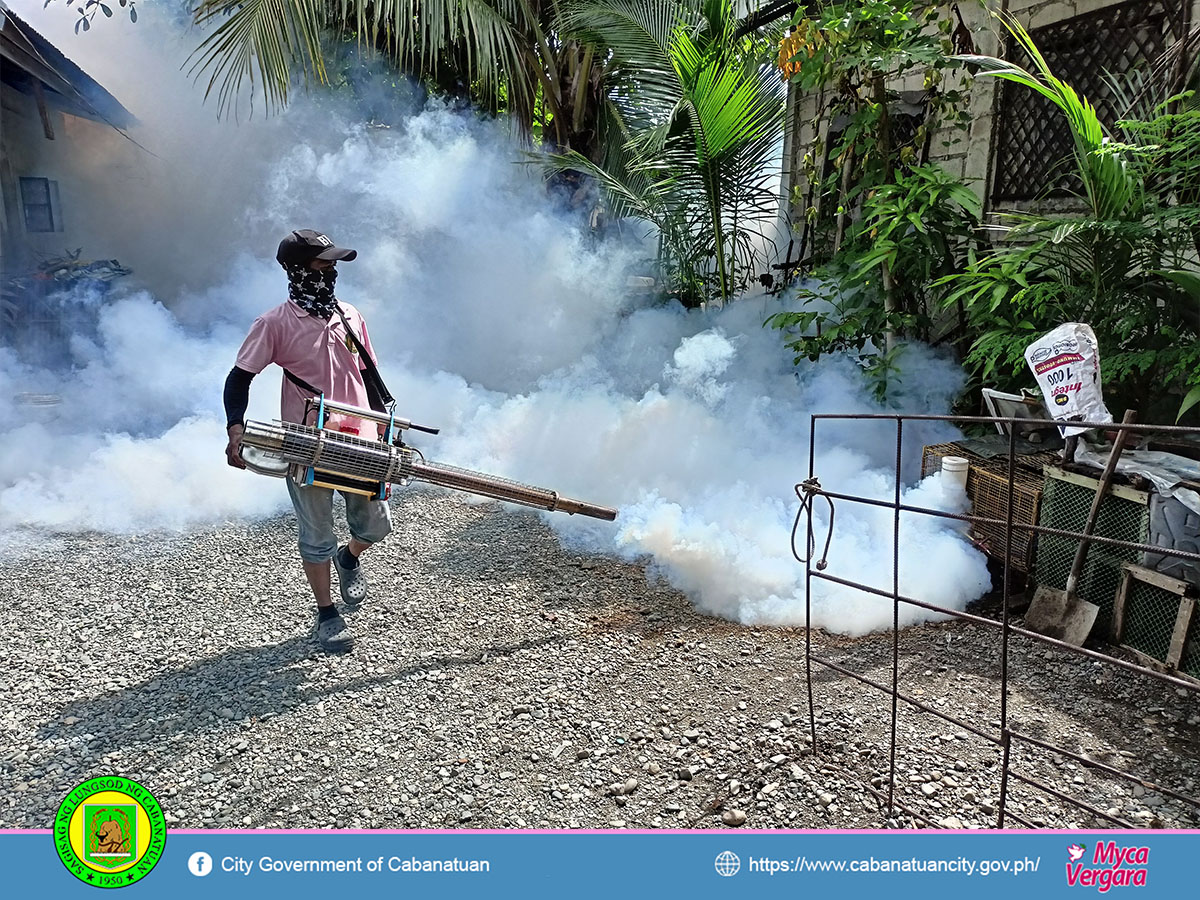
x: 1150, y: 618
x: 1033, y: 140
x: 1065, y: 505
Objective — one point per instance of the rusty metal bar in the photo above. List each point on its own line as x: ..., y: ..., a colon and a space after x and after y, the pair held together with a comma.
x: 1066, y: 798
x: 1019, y: 820
x: 865, y: 588
x: 1004, y: 623
x: 1007, y: 736
x: 1001, y: 807
x: 1106, y: 768
x: 1033, y: 529
x: 1033, y: 635
x: 907, y: 810
x: 1003, y: 420
x: 812, y: 718
x: 895, y: 619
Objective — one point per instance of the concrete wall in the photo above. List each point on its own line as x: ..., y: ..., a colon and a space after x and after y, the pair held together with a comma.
x: 971, y: 157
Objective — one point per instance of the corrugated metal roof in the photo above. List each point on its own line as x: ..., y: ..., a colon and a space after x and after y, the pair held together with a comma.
x: 27, y: 55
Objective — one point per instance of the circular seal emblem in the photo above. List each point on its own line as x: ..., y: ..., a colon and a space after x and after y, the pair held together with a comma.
x: 110, y: 831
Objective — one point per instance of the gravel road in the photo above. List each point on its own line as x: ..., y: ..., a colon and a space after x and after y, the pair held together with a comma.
x: 502, y: 682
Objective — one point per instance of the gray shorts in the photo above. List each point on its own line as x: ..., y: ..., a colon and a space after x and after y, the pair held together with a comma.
x: 370, y: 520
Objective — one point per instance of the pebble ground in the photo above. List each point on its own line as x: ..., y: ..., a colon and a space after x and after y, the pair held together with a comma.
x: 500, y: 681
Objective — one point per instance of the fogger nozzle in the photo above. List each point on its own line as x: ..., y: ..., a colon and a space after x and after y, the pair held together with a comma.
x: 288, y: 444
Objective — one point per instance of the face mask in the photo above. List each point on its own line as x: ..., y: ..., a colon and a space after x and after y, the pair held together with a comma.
x: 313, y: 290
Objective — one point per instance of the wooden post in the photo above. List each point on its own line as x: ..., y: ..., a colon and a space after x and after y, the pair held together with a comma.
x: 40, y: 97
x: 1118, y: 617
x: 1186, y: 606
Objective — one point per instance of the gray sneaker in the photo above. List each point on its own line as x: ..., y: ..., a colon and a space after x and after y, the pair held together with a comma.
x: 353, y: 581
x: 334, y: 634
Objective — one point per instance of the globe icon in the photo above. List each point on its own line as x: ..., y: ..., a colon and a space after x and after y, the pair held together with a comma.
x: 728, y: 863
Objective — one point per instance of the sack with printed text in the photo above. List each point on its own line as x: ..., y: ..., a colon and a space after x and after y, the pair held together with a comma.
x: 1066, y: 364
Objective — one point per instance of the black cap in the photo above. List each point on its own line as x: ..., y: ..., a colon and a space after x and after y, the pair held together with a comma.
x: 301, y: 247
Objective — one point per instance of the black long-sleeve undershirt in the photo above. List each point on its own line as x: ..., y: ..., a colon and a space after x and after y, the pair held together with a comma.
x: 237, y: 396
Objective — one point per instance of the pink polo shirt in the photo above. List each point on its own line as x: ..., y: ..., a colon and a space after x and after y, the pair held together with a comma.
x: 313, y: 350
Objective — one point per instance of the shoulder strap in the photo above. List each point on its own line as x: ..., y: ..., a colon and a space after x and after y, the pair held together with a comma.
x: 372, y: 371
x: 302, y: 384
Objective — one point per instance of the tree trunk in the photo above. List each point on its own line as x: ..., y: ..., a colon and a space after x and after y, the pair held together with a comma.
x: 843, y: 213
x: 884, y: 143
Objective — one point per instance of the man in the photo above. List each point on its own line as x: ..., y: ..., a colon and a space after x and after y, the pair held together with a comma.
x: 306, y: 336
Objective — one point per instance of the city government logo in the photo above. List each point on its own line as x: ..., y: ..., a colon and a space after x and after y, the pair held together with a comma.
x: 110, y: 831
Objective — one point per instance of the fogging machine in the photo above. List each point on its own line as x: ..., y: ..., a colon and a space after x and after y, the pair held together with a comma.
x: 317, y: 455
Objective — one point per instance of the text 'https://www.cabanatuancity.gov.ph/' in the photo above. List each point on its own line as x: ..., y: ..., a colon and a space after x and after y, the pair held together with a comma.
x: 728, y: 863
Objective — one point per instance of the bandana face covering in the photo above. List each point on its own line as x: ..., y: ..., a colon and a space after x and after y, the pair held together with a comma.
x: 313, y: 290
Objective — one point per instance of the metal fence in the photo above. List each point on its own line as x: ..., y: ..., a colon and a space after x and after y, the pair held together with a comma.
x: 1138, y: 618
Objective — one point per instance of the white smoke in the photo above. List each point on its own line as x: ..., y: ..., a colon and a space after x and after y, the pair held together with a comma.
x: 494, y: 318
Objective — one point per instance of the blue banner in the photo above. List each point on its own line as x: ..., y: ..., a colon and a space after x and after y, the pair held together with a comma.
x: 257, y: 864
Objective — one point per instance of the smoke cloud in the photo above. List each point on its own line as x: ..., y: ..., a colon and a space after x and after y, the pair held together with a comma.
x: 495, y: 317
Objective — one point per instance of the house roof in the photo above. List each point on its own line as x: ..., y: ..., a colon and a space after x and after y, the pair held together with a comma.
x: 26, y: 57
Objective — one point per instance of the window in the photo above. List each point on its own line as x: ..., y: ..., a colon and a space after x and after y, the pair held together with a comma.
x: 39, y: 198
x: 1033, y: 139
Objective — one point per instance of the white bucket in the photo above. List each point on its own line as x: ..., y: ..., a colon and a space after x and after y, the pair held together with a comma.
x: 956, y: 468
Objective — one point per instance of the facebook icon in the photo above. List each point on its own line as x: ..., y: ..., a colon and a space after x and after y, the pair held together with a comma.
x: 200, y: 864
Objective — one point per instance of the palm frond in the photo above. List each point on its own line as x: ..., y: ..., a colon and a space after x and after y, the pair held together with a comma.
x: 1110, y: 185
x: 639, y: 35
x: 261, y: 41
x: 268, y: 43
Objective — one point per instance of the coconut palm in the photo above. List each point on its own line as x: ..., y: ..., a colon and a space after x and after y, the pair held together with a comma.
x: 696, y: 118
x: 674, y: 112
x: 506, y: 51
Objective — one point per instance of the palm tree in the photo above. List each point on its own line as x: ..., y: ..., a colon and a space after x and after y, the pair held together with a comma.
x: 696, y: 117
x: 676, y: 112
x: 506, y: 51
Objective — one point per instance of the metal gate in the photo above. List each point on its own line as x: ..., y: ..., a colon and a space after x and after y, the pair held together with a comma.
x: 1001, y: 731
